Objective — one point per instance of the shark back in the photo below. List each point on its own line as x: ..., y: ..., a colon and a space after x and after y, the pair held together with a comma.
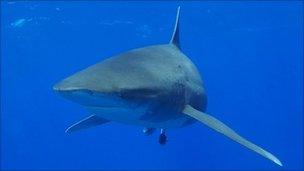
x: 158, y: 69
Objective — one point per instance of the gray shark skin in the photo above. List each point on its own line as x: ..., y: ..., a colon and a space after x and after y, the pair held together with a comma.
x: 155, y: 87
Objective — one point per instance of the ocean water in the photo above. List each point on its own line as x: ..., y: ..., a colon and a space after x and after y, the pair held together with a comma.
x: 250, y: 56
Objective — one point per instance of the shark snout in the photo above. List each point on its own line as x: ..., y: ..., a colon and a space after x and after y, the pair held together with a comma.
x: 87, y: 97
x: 70, y: 84
x: 61, y: 86
x: 84, y: 95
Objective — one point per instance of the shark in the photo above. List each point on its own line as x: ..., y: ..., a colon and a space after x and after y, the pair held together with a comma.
x: 155, y: 87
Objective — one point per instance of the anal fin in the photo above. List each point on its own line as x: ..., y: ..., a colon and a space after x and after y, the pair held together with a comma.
x: 87, y: 122
x: 220, y: 127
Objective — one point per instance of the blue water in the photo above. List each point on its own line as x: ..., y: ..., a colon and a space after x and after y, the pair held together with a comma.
x: 250, y: 55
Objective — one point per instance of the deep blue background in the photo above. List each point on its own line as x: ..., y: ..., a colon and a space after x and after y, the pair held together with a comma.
x: 250, y: 55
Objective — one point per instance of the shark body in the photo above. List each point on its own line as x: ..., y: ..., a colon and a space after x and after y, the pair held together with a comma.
x: 155, y: 87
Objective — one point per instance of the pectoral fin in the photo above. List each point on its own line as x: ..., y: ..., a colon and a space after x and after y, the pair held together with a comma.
x: 224, y: 129
x: 87, y: 122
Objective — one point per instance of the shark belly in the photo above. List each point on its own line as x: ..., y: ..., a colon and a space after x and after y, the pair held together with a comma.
x: 137, y: 117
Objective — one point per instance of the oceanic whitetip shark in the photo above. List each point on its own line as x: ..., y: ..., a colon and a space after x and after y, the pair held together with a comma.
x: 155, y: 87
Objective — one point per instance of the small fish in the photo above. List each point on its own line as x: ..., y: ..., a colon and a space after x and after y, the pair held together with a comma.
x: 19, y: 22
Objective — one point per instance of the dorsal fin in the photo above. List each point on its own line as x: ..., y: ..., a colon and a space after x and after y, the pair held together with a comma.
x: 175, y: 36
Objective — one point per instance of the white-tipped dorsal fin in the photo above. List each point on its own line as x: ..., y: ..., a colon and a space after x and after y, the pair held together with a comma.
x: 175, y: 36
x: 87, y: 122
x: 220, y: 127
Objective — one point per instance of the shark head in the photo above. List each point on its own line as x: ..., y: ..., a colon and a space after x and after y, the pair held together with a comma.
x: 103, y: 85
x: 127, y: 87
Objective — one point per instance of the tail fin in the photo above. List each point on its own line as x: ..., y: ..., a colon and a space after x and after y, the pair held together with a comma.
x: 175, y: 36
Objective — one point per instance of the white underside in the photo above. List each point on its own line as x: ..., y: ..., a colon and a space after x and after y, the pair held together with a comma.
x: 133, y: 117
x: 116, y: 109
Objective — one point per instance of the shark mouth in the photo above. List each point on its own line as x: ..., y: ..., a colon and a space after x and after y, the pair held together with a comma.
x: 93, y: 98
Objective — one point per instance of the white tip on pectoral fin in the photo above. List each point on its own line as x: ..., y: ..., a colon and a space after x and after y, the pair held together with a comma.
x: 220, y: 127
x: 87, y: 122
